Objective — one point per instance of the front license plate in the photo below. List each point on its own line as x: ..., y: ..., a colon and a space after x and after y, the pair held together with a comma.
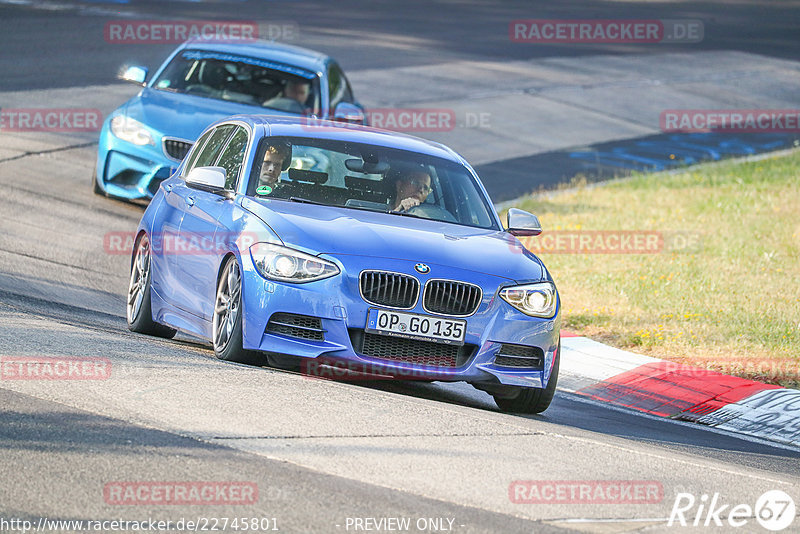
x: 416, y: 326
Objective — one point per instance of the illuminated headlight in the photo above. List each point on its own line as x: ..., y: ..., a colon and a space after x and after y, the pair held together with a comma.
x: 131, y: 130
x: 536, y: 300
x: 288, y: 265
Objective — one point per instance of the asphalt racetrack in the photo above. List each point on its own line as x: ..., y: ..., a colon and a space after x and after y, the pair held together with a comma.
x: 325, y: 456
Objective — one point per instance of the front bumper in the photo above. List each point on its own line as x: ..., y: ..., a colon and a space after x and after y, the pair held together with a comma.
x: 342, y: 314
x: 129, y: 171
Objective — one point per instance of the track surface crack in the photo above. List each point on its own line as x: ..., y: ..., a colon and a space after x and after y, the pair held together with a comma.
x: 48, y: 151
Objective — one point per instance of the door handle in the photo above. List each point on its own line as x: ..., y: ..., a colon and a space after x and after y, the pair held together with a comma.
x: 190, y: 201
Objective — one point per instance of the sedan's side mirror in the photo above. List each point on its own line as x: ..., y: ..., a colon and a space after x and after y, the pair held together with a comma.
x: 135, y: 75
x: 522, y: 223
x: 211, y: 179
x: 347, y: 112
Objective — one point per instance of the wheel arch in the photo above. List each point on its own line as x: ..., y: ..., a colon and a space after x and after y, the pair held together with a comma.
x: 224, y: 260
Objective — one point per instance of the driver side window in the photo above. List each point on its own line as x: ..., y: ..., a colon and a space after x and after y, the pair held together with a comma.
x: 339, y: 88
x: 207, y: 154
x: 232, y: 157
x: 197, y: 148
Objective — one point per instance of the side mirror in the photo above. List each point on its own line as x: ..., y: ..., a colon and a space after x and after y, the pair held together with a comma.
x: 135, y: 75
x: 347, y: 112
x: 211, y: 179
x: 522, y: 223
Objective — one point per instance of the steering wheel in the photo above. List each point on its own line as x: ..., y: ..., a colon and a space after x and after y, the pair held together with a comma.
x: 284, y: 104
x: 432, y: 211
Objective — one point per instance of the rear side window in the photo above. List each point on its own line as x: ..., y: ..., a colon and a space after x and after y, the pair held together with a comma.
x: 232, y: 157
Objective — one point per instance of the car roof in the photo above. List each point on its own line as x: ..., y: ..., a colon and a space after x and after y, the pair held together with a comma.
x: 291, y: 55
x: 324, y: 129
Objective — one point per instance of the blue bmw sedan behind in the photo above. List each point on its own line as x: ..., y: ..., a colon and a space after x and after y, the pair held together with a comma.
x: 202, y: 81
x: 317, y: 245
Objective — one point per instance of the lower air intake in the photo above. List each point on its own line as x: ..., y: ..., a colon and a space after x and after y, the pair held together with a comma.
x: 412, y: 351
x: 520, y: 356
x: 294, y: 325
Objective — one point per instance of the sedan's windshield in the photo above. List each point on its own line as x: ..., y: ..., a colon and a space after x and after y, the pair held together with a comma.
x: 252, y: 81
x: 368, y: 177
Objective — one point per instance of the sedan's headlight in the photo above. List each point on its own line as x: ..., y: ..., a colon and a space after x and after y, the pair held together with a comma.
x: 537, y: 300
x: 131, y: 130
x: 288, y: 265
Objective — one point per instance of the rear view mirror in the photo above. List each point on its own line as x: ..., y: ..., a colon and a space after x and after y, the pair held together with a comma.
x: 346, y: 112
x: 522, y: 223
x: 135, y: 75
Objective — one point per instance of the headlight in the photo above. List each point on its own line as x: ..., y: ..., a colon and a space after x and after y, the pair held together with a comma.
x: 537, y: 300
x: 288, y: 265
x: 131, y: 130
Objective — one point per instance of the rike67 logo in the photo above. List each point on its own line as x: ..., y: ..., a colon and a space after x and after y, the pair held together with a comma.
x: 774, y: 511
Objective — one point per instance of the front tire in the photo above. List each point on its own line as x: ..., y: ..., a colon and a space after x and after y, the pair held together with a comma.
x: 227, y: 324
x: 532, y: 400
x: 139, y: 312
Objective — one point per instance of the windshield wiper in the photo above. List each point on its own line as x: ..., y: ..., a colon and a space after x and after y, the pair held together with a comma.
x: 306, y: 201
x: 406, y: 214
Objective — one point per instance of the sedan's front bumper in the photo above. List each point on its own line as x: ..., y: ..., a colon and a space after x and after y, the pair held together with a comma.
x: 129, y: 171
x: 342, y: 313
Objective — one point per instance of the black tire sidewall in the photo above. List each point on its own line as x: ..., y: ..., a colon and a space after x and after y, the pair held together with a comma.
x: 144, y: 323
x: 534, y: 400
x: 144, y: 320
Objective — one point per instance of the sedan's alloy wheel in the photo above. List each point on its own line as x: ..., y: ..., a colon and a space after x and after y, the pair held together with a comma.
x: 227, y: 306
x: 140, y: 272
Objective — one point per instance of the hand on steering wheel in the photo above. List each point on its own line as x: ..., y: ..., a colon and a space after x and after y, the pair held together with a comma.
x: 407, y: 203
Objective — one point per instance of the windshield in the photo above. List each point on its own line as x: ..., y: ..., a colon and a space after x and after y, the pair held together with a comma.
x: 368, y: 177
x: 241, y: 79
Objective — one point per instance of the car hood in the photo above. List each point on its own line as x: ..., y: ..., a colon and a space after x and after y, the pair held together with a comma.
x: 182, y: 115
x: 341, y: 232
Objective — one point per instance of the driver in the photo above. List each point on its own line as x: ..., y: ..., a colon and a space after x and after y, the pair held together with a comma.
x: 276, y: 159
x: 298, y: 91
x: 293, y: 98
x: 412, y: 189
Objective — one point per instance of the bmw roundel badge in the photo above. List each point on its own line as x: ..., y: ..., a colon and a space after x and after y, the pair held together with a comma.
x: 421, y: 268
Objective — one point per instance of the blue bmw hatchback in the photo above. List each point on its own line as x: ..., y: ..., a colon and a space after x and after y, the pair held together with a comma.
x: 145, y: 139
x: 320, y: 245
